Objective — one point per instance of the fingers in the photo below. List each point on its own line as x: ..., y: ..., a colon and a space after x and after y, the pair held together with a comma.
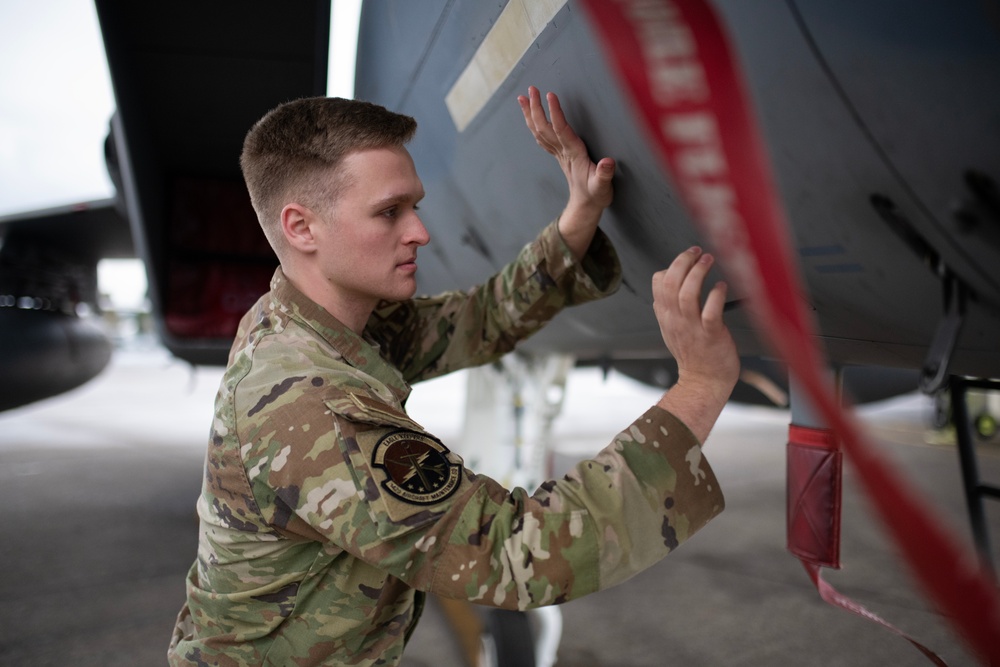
x: 559, y: 123
x: 590, y: 187
x: 715, y: 304
x: 678, y: 288
x: 689, y: 296
x: 537, y: 110
x: 525, y: 105
x: 535, y: 119
x: 554, y: 135
x: 696, y: 336
x: 667, y: 283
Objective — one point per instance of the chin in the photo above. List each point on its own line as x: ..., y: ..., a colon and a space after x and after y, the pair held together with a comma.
x: 401, y: 294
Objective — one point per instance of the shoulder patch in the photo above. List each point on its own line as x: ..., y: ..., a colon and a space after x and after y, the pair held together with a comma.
x: 417, y: 467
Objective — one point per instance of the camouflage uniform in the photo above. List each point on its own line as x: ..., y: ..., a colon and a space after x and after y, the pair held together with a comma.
x: 326, y: 510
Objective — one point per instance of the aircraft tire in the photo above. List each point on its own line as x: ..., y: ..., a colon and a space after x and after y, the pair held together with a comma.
x: 507, y: 640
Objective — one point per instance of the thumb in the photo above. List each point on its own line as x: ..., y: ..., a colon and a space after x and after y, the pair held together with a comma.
x: 606, y: 168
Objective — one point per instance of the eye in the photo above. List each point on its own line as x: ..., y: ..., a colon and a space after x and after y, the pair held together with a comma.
x: 393, y: 212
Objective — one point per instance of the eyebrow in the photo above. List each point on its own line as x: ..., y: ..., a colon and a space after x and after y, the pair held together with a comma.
x: 401, y: 198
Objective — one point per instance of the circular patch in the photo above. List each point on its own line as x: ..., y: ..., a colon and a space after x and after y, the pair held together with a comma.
x: 417, y: 467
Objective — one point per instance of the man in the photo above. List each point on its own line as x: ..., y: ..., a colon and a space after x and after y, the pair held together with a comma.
x: 326, y: 512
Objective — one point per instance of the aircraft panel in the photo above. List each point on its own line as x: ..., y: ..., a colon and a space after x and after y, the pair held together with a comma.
x: 874, y: 298
x: 934, y: 65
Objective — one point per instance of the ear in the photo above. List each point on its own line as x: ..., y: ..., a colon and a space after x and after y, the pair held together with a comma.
x: 298, y: 225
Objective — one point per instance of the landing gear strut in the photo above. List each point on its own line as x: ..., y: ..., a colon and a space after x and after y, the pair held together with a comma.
x: 975, y: 491
x: 510, y: 408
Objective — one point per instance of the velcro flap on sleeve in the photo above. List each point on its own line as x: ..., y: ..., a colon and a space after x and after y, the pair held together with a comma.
x: 365, y: 408
x: 406, y: 476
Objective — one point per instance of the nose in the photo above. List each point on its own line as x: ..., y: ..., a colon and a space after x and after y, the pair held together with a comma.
x: 416, y: 233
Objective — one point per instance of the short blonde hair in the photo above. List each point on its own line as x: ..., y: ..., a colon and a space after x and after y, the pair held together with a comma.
x: 293, y: 151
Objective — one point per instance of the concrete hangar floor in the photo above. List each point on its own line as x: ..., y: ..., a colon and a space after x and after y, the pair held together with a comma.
x: 98, y: 490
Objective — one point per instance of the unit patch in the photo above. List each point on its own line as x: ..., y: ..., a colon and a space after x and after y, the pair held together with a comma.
x: 417, y: 467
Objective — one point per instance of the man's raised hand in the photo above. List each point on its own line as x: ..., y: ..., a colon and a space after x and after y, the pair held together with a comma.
x: 590, y: 189
x: 707, y: 362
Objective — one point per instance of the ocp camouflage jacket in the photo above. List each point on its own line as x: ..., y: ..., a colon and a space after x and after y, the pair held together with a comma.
x: 326, y: 510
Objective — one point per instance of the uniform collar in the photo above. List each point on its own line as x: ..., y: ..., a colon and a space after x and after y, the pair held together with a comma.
x: 359, y: 352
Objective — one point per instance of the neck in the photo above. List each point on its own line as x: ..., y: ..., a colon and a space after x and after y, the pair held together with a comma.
x: 351, y: 312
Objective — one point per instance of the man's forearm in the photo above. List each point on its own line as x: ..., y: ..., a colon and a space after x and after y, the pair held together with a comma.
x: 697, y: 406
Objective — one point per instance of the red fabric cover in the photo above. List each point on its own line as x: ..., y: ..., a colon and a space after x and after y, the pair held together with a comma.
x: 814, y: 481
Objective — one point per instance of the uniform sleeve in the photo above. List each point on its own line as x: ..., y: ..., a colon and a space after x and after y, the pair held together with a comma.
x: 392, y: 495
x: 427, y: 337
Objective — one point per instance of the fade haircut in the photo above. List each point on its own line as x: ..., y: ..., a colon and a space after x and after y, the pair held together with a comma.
x: 294, y: 152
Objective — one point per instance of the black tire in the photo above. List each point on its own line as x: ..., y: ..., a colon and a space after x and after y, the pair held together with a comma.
x: 507, y: 640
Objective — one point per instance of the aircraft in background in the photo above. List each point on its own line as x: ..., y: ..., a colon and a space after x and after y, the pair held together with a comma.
x: 883, y: 127
x: 189, y: 80
x: 48, y: 284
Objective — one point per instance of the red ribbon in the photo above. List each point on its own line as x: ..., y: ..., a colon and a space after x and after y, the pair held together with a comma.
x: 674, y: 61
